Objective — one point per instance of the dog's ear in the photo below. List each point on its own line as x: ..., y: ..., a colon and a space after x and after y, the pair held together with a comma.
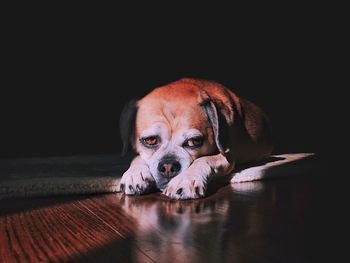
x: 127, y: 124
x: 219, y: 125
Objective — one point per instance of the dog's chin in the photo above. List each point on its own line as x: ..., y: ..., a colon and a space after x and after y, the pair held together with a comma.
x: 161, y: 182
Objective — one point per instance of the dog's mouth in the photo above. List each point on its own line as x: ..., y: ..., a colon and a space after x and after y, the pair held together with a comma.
x: 162, y: 182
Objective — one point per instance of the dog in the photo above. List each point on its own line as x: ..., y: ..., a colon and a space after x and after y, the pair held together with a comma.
x: 187, y: 133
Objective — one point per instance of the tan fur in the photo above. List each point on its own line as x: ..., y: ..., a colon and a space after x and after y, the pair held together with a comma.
x: 180, y: 111
x: 252, y: 140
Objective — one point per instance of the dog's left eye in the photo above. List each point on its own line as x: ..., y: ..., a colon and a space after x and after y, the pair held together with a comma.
x: 150, y: 141
x: 194, y: 142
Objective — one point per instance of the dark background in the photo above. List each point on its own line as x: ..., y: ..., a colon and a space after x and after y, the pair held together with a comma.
x: 67, y: 75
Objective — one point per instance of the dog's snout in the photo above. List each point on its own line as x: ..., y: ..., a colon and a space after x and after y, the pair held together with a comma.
x: 169, y: 167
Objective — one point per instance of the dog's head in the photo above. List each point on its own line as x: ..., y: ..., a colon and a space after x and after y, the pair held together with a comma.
x: 175, y: 124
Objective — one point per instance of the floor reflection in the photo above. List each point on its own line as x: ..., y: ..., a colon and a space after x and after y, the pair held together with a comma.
x: 295, y: 219
x: 192, y: 230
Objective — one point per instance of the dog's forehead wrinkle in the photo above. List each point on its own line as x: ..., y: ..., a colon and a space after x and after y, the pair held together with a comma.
x: 169, y: 113
x: 169, y: 116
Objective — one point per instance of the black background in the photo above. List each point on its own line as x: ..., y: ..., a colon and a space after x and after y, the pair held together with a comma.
x: 68, y: 73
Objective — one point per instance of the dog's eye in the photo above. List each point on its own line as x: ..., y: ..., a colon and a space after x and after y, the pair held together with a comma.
x: 150, y: 141
x: 194, y: 142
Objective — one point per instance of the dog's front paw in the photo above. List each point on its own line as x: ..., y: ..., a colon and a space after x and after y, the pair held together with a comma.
x: 186, y: 186
x: 137, y: 180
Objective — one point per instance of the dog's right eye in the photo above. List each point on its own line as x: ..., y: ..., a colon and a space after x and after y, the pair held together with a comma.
x: 151, y: 141
x: 194, y: 142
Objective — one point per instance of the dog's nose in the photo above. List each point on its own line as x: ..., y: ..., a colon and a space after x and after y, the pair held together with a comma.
x: 169, y: 167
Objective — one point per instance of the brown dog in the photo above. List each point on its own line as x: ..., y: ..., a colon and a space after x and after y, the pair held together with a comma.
x: 186, y: 133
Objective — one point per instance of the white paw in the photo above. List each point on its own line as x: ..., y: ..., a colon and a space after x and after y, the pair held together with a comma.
x: 186, y: 186
x: 137, y: 180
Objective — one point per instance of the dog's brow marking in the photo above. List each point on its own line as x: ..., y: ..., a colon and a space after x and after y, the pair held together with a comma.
x: 154, y: 131
x: 191, y: 133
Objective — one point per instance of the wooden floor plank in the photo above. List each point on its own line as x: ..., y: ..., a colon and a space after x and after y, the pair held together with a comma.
x: 271, y: 221
x: 63, y: 232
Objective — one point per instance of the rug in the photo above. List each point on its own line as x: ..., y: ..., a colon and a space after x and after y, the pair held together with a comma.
x: 69, y: 175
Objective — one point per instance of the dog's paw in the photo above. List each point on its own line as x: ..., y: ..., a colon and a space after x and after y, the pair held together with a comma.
x: 186, y: 186
x: 137, y: 180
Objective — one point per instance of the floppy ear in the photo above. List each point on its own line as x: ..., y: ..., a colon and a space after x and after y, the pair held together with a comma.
x: 219, y: 125
x: 127, y: 124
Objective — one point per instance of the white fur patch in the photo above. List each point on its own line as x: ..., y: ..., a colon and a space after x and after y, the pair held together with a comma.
x: 267, y: 170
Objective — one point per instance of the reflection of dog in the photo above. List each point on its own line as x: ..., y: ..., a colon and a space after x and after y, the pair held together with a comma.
x: 168, y: 231
x: 188, y: 132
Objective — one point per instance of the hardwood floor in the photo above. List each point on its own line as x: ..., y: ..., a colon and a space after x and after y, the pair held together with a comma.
x: 284, y: 220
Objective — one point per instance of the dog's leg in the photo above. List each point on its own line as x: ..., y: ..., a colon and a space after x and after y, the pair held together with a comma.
x: 137, y: 179
x: 192, y: 183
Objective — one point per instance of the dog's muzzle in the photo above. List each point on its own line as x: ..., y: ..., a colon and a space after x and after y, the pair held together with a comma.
x: 169, y: 166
